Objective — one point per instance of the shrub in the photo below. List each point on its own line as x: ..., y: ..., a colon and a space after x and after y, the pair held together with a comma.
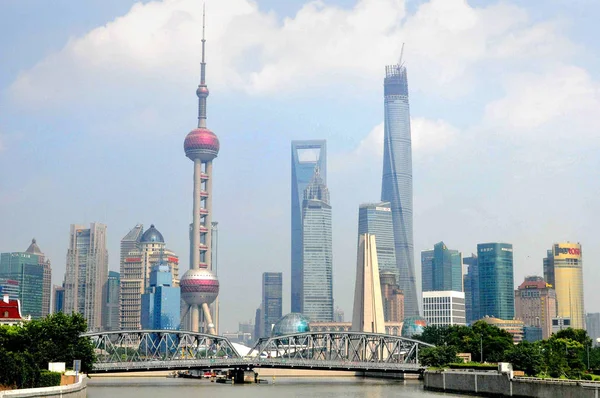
x: 49, y: 379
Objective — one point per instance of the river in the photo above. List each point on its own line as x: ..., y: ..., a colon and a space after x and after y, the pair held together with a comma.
x: 160, y: 387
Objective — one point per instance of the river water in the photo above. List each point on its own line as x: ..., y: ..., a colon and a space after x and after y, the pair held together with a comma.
x: 354, y: 387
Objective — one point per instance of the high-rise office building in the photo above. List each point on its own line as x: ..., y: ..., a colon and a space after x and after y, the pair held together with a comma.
x: 444, y: 308
x: 135, y: 275
x: 317, y: 256
x: 58, y: 299
x: 272, y: 285
x: 592, y: 324
x: 47, y: 284
x: 535, y: 304
x: 9, y: 287
x: 306, y: 156
x: 564, y: 264
x: 25, y: 269
x: 441, y: 269
x: 199, y: 285
x: 471, y: 284
x: 161, y: 304
x: 131, y: 242
x: 111, y: 302
x: 392, y: 296
x: 495, y: 265
x: 367, y: 313
x: 548, y: 264
x: 396, y: 186
x: 86, y: 273
x: 376, y: 219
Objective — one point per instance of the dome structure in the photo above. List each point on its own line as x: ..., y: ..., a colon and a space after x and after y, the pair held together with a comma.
x: 290, y: 324
x: 199, y: 286
x: 201, y: 143
x: 413, y: 325
x: 152, y: 235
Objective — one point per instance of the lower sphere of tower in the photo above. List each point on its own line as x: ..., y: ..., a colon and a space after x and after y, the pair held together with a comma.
x: 199, y: 286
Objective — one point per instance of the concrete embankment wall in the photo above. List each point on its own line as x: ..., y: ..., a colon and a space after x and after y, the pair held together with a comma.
x: 77, y: 390
x: 492, y: 383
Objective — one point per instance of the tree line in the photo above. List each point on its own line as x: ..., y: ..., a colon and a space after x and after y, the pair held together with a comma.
x: 26, y: 350
x: 566, y: 354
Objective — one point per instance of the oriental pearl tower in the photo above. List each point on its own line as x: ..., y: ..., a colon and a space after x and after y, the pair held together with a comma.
x: 199, y: 286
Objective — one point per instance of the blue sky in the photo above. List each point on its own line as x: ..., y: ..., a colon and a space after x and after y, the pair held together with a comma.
x: 97, y: 97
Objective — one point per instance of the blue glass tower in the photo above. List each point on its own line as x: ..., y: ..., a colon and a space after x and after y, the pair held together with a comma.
x: 306, y: 155
x: 161, y: 307
x: 376, y: 219
x: 495, y: 265
x: 441, y: 269
x: 317, y: 255
x: 396, y: 184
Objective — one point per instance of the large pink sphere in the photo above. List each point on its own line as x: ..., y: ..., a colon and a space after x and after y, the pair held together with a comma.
x: 199, y: 286
x: 201, y: 143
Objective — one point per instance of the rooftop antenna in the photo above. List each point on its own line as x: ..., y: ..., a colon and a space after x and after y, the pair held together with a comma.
x: 401, y: 55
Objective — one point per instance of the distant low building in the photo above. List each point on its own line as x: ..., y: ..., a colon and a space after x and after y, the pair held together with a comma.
x: 391, y: 328
x: 10, y: 312
x: 444, y: 308
x: 560, y: 323
x: 512, y: 326
x: 592, y: 323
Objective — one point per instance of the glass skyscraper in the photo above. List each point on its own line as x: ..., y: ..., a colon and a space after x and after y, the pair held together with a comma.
x: 471, y: 283
x: 272, y: 284
x: 376, y: 219
x: 161, y: 304
x: 111, y: 302
x: 396, y: 186
x: 496, y: 281
x: 29, y: 273
x: 306, y: 155
x: 317, y: 256
x: 441, y: 269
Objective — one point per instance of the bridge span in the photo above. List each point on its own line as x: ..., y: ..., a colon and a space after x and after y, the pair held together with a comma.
x: 152, y: 350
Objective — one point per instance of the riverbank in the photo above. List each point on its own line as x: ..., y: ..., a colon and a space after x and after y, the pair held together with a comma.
x: 75, y: 390
x: 262, y: 372
x: 497, y: 384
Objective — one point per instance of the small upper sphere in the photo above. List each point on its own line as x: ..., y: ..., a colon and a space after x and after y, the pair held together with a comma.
x: 202, y: 91
x: 201, y: 143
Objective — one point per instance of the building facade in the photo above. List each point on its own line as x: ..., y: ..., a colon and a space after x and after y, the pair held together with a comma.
x: 161, y: 304
x: 396, y: 185
x: 112, y: 302
x: 135, y: 275
x: 317, y: 253
x: 592, y: 323
x: 471, y: 284
x: 87, y: 273
x: 495, y: 265
x: 441, y: 269
x: 376, y: 219
x: 26, y: 270
x: 58, y: 299
x: 565, y: 265
x: 392, y: 297
x: 444, y: 308
x: 306, y: 156
x: 47, y: 284
x: 272, y: 288
x: 513, y: 326
x: 535, y: 304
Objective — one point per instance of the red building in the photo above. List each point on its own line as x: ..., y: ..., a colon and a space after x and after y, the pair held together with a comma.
x: 10, y: 312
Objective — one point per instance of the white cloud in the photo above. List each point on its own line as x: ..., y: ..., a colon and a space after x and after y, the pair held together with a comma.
x: 561, y: 103
x: 156, y: 45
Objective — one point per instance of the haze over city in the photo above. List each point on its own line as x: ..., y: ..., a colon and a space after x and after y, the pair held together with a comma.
x: 97, y: 98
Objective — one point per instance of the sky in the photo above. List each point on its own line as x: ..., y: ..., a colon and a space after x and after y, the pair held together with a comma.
x: 97, y: 97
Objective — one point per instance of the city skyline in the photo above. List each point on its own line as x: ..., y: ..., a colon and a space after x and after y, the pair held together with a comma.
x: 62, y: 115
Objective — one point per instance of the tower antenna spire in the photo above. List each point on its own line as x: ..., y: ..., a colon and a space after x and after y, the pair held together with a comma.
x: 202, y: 91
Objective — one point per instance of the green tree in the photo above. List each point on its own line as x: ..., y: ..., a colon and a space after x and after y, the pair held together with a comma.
x: 438, y: 356
x: 495, y: 341
x: 527, y: 357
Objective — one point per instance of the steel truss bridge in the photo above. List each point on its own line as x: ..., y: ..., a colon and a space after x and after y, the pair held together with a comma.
x: 149, y: 350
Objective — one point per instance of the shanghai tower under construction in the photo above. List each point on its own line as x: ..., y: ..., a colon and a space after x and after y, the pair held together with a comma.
x: 396, y: 184
x: 199, y: 285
